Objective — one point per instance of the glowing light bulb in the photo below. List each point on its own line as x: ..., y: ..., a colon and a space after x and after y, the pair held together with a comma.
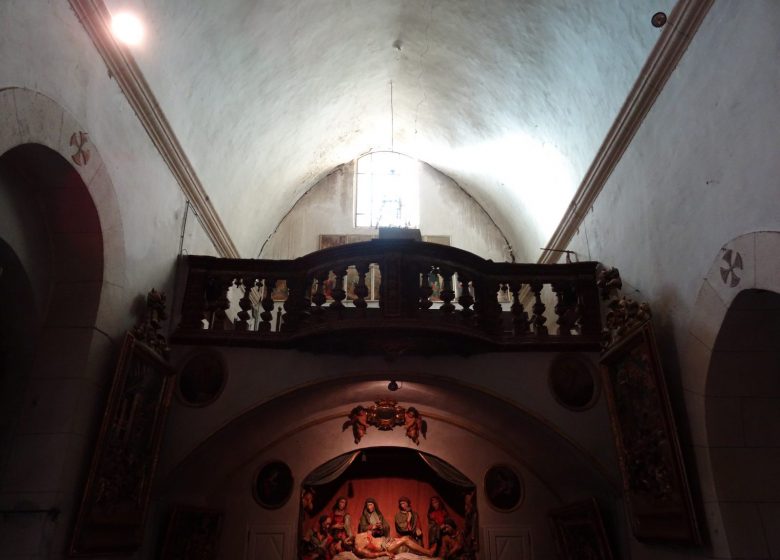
x: 127, y: 28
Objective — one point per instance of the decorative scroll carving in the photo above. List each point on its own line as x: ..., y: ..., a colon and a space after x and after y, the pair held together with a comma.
x: 148, y: 331
x: 623, y: 313
x: 608, y: 281
x: 115, y: 501
x: 385, y: 415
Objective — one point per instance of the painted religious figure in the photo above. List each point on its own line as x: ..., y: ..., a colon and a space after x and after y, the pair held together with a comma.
x: 372, y: 520
x: 316, y: 543
x: 437, y: 517
x: 407, y: 522
x: 341, y: 526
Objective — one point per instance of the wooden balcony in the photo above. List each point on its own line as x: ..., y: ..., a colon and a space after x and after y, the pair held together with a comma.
x: 390, y: 296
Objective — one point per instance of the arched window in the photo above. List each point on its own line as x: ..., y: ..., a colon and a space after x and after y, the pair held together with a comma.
x: 387, y: 191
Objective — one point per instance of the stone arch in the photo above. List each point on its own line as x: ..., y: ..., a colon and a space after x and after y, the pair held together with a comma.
x: 746, y: 264
x: 468, y: 428
x: 60, y: 220
x: 29, y: 117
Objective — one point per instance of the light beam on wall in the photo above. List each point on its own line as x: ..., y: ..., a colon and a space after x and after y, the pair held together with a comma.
x: 533, y: 172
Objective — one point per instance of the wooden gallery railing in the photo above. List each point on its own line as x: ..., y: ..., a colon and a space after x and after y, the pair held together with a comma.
x: 389, y: 296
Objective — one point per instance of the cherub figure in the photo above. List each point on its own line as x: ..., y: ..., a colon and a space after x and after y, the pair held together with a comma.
x: 358, y: 421
x: 155, y: 304
x: 415, y: 425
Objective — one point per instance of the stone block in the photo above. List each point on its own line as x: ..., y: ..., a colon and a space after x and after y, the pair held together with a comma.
x: 708, y: 316
x: 770, y: 519
x: 9, y: 126
x: 761, y: 418
x: 744, y: 474
x: 724, y: 422
x: 744, y: 531
x: 768, y: 260
x: 694, y: 365
x: 39, y: 118
x: 35, y: 463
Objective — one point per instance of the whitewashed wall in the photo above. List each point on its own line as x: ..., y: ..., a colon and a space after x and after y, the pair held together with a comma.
x: 702, y: 171
x: 328, y: 208
x: 54, y: 84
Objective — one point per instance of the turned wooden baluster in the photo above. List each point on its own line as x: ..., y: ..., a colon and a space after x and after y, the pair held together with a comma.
x: 519, y: 315
x: 447, y: 294
x: 267, y: 302
x: 361, y: 290
x: 588, y: 307
x: 242, y: 321
x: 295, y: 305
x: 565, y: 308
x: 338, y: 290
x: 426, y: 290
x: 217, y: 295
x: 538, y: 319
x: 466, y: 300
x: 487, y: 306
x: 318, y: 299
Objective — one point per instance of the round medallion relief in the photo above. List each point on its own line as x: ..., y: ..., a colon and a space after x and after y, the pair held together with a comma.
x: 573, y: 381
x: 202, y: 379
x: 503, y: 487
x: 273, y: 484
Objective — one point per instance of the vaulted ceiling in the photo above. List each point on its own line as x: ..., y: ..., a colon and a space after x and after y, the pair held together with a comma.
x: 510, y: 98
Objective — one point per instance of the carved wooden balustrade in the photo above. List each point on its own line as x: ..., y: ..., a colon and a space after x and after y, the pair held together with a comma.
x: 391, y: 296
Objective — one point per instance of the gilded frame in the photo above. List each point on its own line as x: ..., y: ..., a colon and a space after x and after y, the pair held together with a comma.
x: 655, y: 485
x: 115, y: 502
x: 579, y: 532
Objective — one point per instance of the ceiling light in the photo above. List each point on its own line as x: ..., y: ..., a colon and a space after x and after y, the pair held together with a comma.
x: 127, y: 28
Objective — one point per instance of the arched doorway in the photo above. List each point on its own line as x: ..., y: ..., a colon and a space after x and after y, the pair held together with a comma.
x: 726, y: 355
x: 51, y: 244
x: 743, y: 422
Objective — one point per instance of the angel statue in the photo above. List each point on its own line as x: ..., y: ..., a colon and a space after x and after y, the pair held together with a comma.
x: 358, y: 421
x: 415, y: 425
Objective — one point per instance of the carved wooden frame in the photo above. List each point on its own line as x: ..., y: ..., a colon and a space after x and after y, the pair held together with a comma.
x: 579, y: 531
x: 111, y: 516
x: 205, y: 536
x: 655, y: 486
